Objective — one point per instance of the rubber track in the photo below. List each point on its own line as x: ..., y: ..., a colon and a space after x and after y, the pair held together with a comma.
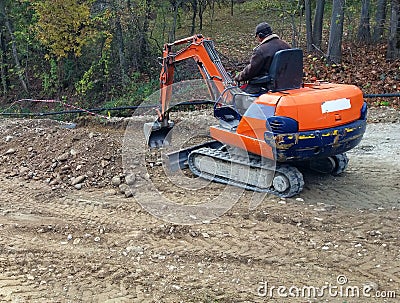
x: 293, y: 174
x: 341, y: 161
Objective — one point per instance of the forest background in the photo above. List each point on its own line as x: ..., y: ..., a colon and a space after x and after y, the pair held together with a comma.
x: 94, y: 53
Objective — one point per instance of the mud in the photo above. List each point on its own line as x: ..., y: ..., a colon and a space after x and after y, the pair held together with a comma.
x: 62, y: 244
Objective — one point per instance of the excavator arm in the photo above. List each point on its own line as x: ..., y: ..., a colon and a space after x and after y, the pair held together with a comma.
x: 202, y: 51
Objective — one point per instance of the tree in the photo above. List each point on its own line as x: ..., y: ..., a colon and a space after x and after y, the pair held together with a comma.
x: 393, y: 49
x: 7, y: 22
x: 63, y: 25
x: 3, y: 65
x: 194, y: 8
x: 364, y: 29
x: 202, y: 8
x: 380, y: 20
x: 175, y: 7
x: 307, y: 8
x: 318, y: 22
x: 336, y: 32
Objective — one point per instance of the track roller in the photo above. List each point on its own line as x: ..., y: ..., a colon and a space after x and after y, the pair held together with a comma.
x: 341, y: 162
x: 288, y: 181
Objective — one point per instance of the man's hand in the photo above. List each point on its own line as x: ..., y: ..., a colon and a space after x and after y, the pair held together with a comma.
x: 237, y: 78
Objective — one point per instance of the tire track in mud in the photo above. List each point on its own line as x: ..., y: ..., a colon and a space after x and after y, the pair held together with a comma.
x: 18, y: 289
x: 356, y: 188
x: 208, y: 248
x: 20, y: 235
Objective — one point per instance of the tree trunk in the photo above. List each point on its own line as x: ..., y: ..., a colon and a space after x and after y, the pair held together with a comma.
x: 232, y: 7
x: 7, y: 23
x: 380, y: 20
x: 364, y: 30
x: 307, y: 8
x: 202, y: 8
x: 143, y: 40
x: 393, y: 49
x: 336, y: 32
x: 172, y: 33
x: 212, y: 12
x: 194, y: 15
x: 3, y: 64
x: 318, y: 23
x: 121, y: 49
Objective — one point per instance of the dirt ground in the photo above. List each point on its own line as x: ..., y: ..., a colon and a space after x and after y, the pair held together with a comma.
x: 73, y: 229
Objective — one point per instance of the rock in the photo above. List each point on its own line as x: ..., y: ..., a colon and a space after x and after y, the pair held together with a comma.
x: 76, y: 241
x: 30, y: 277
x: 78, y: 186
x: 128, y: 193
x: 9, y: 138
x: 54, y: 182
x: 374, y: 233
x: 116, y: 181
x: 77, y: 180
x: 123, y: 188
x: 73, y: 152
x: 135, y: 249
x: 14, y: 173
x: 68, y: 125
x: 104, y: 163
x: 10, y: 151
x: 126, y: 190
x: 110, y: 192
x: 23, y: 170
x: 63, y: 157
x: 65, y: 168
x: 130, y: 179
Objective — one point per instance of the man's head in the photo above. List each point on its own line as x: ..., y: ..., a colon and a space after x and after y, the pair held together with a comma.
x: 263, y: 30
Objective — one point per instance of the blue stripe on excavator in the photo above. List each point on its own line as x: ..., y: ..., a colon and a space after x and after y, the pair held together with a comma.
x: 323, y: 143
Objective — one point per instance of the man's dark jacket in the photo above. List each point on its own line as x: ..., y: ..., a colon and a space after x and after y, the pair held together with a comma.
x: 261, y: 59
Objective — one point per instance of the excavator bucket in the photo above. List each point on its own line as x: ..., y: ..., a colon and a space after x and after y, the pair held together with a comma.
x: 157, y: 135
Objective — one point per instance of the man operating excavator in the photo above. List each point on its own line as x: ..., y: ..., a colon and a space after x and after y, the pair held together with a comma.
x: 260, y: 61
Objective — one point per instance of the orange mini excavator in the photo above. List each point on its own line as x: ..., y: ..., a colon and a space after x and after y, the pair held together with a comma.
x: 262, y: 140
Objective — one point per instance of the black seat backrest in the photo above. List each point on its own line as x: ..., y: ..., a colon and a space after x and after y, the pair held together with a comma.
x: 286, y: 70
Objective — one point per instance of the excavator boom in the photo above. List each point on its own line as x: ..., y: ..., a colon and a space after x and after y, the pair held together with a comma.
x: 203, y: 52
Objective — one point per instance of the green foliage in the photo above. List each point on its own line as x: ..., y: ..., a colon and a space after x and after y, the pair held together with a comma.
x: 134, y: 93
x: 64, y: 26
x: 50, y: 79
x: 384, y: 103
x: 106, y: 50
x: 98, y: 72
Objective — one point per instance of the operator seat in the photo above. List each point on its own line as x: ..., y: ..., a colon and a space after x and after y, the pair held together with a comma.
x: 285, y: 72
